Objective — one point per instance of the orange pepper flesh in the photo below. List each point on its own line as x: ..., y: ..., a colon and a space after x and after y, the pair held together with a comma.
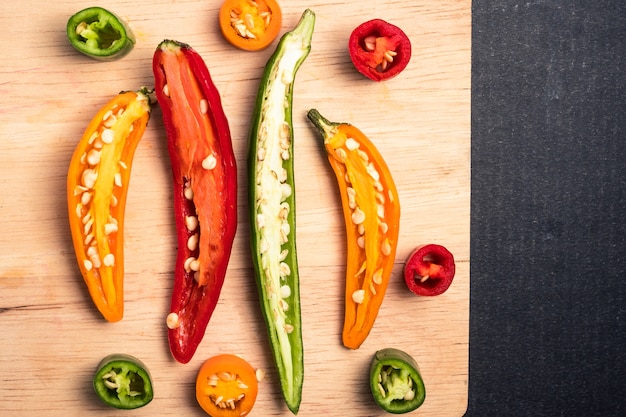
x: 97, y: 185
x: 226, y: 386
x: 250, y: 25
x: 371, y: 210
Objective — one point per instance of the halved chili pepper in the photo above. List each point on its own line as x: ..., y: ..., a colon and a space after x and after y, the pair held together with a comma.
x: 97, y: 185
x: 204, y: 176
x: 100, y: 34
x: 371, y: 211
x: 123, y: 381
x: 250, y: 25
x: 272, y: 207
x: 429, y: 270
x: 379, y: 50
x: 226, y: 386
x: 396, y: 382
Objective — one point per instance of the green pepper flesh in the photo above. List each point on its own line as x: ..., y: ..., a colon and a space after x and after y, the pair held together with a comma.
x: 123, y: 381
x: 99, y: 34
x: 272, y: 205
x: 396, y: 382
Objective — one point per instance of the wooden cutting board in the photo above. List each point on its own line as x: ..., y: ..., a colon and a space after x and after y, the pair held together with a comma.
x: 53, y: 337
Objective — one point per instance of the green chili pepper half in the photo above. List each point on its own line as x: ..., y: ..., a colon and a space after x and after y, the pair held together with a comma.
x: 395, y: 381
x: 123, y: 381
x: 272, y: 207
x: 99, y: 34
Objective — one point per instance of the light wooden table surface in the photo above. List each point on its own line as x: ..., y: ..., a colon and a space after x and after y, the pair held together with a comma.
x: 53, y: 337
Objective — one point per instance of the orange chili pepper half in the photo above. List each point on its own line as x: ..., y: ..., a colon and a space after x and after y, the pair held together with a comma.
x: 97, y: 184
x: 250, y: 25
x: 371, y: 210
x: 226, y: 386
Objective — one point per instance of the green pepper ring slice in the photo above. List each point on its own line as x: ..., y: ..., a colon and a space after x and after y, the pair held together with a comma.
x: 396, y: 382
x: 123, y: 381
x: 99, y: 34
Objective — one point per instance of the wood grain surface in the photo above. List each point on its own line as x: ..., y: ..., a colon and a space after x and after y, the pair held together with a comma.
x: 53, y: 337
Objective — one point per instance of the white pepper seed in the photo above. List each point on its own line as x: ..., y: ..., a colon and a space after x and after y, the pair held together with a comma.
x: 358, y: 216
x: 384, y: 227
x: 194, y: 265
x: 249, y: 20
x: 109, y: 259
x: 117, y: 179
x: 285, y: 228
x: 166, y: 90
x: 358, y: 296
x: 93, y: 157
x: 284, y: 269
x: 260, y: 220
x: 87, y: 264
x: 360, y: 241
x: 79, y: 210
x: 351, y: 197
x: 285, y: 190
x: 380, y: 211
x: 370, y: 43
x: 107, y: 136
x: 385, y: 247
x: 352, y: 144
x: 92, y: 138
x: 260, y: 374
x: 109, y: 121
x: 85, y: 198
x: 341, y: 154
x: 371, y: 170
x: 204, y: 106
x: 88, y: 178
x: 187, y: 263
x: 110, y: 228
x: 95, y: 259
x: 378, y: 276
x: 285, y: 291
x: 210, y: 162
x: 191, y: 222
x: 188, y: 193
x: 192, y: 242
x: 172, y: 321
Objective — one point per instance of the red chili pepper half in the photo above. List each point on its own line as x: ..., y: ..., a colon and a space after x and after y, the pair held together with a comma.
x: 205, y: 190
x: 429, y: 270
x: 379, y: 50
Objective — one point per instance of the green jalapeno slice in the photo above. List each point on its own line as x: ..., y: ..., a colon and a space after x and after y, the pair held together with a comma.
x: 396, y: 382
x: 123, y: 381
x: 99, y: 34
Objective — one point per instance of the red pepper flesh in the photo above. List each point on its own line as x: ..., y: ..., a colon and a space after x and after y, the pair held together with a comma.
x: 205, y: 190
x: 379, y: 50
x: 429, y: 270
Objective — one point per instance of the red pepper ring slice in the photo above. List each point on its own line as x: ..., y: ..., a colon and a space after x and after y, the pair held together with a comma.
x: 429, y: 270
x: 379, y: 50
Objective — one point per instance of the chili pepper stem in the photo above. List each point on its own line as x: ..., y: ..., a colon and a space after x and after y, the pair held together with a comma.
x: 325, y: 127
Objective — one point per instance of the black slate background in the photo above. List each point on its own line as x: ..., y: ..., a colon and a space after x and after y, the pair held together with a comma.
x: 548, y: 249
